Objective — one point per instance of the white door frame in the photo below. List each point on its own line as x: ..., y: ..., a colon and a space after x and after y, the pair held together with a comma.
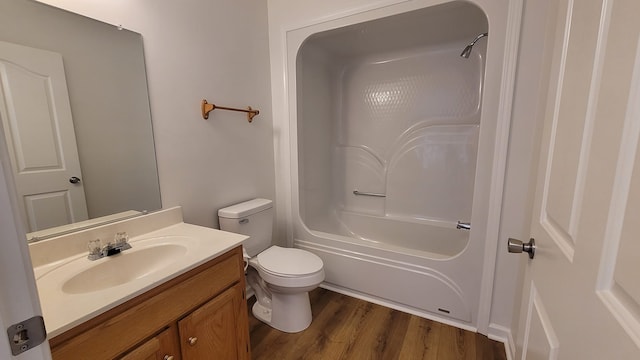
x: 18, y: 293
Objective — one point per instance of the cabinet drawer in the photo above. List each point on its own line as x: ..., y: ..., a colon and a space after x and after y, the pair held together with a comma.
x: 161, y: 346
x: 121, y: 328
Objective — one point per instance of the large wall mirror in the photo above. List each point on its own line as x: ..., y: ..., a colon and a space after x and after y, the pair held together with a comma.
x: 74, y: 88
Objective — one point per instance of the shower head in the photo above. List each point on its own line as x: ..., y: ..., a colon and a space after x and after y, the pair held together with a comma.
x: 467, y: 50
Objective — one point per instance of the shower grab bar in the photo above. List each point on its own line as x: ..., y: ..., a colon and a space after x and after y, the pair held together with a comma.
x: 463, y: 225
x: 362, y: 193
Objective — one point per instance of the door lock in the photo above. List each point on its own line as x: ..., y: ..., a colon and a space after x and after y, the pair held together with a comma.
x: 26, y: 335
x: 517, y: 246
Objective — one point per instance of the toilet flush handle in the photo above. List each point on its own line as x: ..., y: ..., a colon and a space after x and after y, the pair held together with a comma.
x: 243, y: 221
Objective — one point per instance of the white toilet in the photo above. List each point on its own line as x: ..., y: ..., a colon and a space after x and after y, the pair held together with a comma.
x: 280, y: 277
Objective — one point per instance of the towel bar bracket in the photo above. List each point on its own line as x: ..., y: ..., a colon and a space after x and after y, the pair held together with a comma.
x: 206, y: 108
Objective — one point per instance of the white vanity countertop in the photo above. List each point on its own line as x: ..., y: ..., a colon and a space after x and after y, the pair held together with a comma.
x: 64, y: 309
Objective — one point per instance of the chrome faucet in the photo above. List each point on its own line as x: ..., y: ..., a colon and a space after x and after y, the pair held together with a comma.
x: 119, y: 244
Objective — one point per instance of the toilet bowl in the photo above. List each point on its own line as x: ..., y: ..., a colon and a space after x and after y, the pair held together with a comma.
x: 280, y: 277
x: 288, y: 275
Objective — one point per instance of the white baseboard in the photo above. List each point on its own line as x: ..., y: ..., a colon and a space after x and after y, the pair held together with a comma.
x: 503, y: 334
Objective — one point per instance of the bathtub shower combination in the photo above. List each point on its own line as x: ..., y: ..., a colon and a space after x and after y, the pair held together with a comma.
x: 388, y: 128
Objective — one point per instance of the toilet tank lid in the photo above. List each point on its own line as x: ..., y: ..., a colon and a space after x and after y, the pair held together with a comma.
x: 245, y: 208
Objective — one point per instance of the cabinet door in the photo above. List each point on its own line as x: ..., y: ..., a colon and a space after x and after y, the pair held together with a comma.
x: 162, y: 347
x: 218, y: 329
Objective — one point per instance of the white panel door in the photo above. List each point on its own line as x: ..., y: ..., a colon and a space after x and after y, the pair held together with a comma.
x: 36, y: 116
x: 581, y: 298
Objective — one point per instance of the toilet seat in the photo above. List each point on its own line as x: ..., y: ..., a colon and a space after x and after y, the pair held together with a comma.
x: 288, y: 267
x: 289, y: 262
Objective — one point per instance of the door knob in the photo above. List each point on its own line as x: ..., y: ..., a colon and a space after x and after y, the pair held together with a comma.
x: 192, y: 341
x: 517, y: 246
x: 74, y: 180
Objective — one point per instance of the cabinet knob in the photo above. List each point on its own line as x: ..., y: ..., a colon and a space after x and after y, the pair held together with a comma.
x: 168, y: 357
x: 192, y: 340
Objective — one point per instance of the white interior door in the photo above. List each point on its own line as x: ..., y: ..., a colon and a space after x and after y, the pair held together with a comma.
x: 36, y: 115
x: 581, y: 297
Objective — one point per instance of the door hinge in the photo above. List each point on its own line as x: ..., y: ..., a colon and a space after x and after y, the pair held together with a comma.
x: 26, y: 334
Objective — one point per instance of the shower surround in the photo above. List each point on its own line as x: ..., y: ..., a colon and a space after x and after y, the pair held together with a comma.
x: 389, y: 145
x: 399, y: 141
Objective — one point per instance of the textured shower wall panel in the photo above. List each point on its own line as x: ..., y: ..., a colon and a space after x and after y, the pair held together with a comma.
x: 360, y: 170
x: 441, y: 163
x: 384, y: 97
x: 409, y: 128
x: 315, y: 134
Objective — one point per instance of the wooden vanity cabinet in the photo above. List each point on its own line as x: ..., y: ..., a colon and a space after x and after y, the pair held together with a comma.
x: 163, y: 346
x: 199, y: 315
x: 211, y: 331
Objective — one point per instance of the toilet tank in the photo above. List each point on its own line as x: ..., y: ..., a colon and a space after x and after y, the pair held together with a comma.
x: 253, y: 218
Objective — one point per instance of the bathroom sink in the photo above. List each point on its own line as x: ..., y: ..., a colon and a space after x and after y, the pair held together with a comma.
x: 74, y: 289
x: 122, y: 268
x: 148, y: 258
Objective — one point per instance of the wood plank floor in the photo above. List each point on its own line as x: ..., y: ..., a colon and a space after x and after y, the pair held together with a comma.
x: 347, y: 328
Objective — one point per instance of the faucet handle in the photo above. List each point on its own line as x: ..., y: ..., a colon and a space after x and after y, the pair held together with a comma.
x: 121, y: 238
x: 95, y: 246
x: 95, y: 249
x: 121, y: 241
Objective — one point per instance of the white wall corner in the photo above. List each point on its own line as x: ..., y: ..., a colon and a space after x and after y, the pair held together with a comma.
x: 504, y: 335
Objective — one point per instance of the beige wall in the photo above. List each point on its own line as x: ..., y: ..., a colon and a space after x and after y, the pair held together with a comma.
x: 198, y: 49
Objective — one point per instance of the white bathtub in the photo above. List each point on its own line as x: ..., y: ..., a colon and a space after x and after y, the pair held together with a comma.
x: 428, y: 238
x: 389, y: 107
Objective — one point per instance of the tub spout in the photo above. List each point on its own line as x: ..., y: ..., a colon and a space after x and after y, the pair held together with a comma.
x: 463, y: 225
